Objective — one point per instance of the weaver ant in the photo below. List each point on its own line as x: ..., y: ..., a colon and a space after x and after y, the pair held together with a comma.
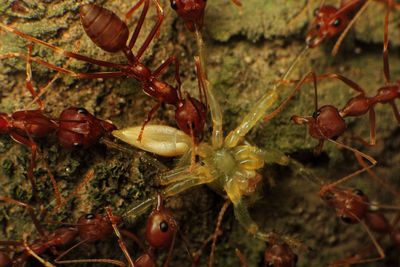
x: 190, y: 113
x: 192, y: 12
x: 330, y: 21
x: 328, y: 123
x: 275, y: 255
x: 352, y: 206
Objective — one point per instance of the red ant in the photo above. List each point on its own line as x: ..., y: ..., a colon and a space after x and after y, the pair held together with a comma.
x: 276, y: 255
x: 330, y: 21
x: 190, y: 113
x: 192, y: 12
x: 75, y: 128
x: 161, y: 231
x: 327, y: 121
x: 352, y: 206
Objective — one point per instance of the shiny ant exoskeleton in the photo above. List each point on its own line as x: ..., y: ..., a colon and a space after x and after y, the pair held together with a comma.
x: 275, y: 255
x: 352, y: 206
x: 330, y: 21
x: 190, y: 113
x: 192, y: 12
x: 75, y: 128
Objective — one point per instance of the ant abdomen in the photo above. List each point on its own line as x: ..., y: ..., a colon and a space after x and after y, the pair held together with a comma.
x: 105, y: 28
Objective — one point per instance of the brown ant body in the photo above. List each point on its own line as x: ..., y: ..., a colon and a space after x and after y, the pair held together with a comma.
x: 192, y: 12
x: 352, y: 206
x: 111, y: 34
x: 75, y: 128
x: 329, y: 21
x: 328, y: 122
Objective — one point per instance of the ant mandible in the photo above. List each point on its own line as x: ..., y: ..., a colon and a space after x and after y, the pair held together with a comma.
x: 189, y: 112
x: 330, y: 21
x: 192, y: 12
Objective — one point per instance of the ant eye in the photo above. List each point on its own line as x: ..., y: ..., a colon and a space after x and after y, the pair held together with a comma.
x: 327, y: 197
x: 77, y: 145
x: 318, y: 26
x: 164, y: 226
x: 336, y: 23
x: 346, y: 219
x: 358, y: 192
x: 316, y: 114
x: 82, y: 111
x: 89, y: 216
x: 174, y: 5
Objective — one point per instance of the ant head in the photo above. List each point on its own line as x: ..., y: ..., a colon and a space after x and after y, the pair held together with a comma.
x: 4, y: 259
x: 190, y: 115
x: 4, y: 123
x: 161, y: 226
x: 327, y: 123
x: 327, y: 23
x: 93, y: 227
x: 191, y: 11
x: 351, y: 205
x: 280, y: 256
x: 78, y: 128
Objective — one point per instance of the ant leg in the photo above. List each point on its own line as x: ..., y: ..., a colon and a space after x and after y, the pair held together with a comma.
x: 217, y: 231
x: 395, y: 110
x: 148, y: 119
x: 386, y: 68
x: 237, y: 2
x: 154, y: 30
x: 31, y: 144
x: 374, y: 176
x: 139, y: 25
x: 59, y: 50
x: 309, y: 75
x: 44, y: 89
x: 351, y: 23
x: 36, y: 256
x: 30, y: 211
x: 345, y: 80
x: 241, y: 257
x: 360, y: 154
x: 28, y: 79
x: 356, y: 260
x: 121, y: 242
x: 318, y: 148
x: 26, y: 142
x: 372, y: 135
x: 171, y: 60
x: 85, y: 181
x: 93, y: 75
